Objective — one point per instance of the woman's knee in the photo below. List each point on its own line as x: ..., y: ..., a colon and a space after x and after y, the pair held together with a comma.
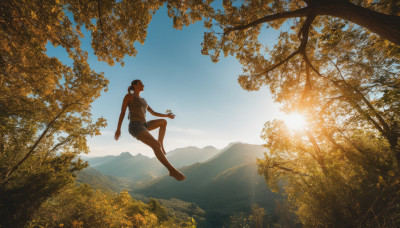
x: 163, y: 122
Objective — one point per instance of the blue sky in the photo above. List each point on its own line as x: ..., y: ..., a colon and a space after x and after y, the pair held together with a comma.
x: 210, y: 106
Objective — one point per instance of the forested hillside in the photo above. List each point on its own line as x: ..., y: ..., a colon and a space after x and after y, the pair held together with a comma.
x: 83, y: 206
x: 223, y: 186
x: 226, y: 185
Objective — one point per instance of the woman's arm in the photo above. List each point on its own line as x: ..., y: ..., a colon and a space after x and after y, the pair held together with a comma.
x: 169, y: 115
x: 121, y: 116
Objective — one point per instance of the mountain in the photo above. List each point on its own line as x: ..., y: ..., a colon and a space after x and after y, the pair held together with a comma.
x: 137, y: 168
x: 99, y: 181
x: 141, y: 168
x: 95, y: 161
x: 224, y: 185
x: 187, y: 156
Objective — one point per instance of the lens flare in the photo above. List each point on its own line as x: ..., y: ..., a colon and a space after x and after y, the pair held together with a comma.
x: 294, y: 121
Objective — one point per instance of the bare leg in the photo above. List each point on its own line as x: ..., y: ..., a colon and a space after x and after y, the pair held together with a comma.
x: 162, y: 124
x: 149, y: 140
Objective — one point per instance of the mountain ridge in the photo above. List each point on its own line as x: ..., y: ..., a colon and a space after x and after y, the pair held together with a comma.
x: 224, y: 185
x: 141, y: 168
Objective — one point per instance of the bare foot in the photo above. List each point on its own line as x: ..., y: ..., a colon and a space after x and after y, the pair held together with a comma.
x: 177, y: 175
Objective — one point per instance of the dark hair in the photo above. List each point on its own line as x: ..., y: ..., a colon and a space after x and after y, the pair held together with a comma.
x: 134, y: 82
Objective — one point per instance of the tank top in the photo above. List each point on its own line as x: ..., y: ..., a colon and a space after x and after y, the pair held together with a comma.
x: 137, y: 109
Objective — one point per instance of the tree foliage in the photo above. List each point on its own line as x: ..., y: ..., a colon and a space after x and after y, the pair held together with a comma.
x: 83, y: 206
x: 45, y: 106
x: 257, y: 218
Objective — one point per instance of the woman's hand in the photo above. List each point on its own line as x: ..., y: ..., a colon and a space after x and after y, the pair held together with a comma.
x: 170, y: 115
x: 117, y: 134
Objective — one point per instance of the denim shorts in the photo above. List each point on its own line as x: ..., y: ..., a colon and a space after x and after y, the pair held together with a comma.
x: 137, y: 127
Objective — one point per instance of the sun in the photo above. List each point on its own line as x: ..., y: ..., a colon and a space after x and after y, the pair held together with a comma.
x: 294, y: 121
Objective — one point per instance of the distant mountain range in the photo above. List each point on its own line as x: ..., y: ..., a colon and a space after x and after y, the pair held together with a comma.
x: 222, y: 182
x: 140, y: 168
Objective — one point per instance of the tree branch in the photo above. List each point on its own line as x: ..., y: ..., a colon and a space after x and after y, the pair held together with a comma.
x: 386, y: 26
x: 275, y: 165
x: 330, y: 138
x: 302, y: 47
x: 56, y: 146
x: 354, y: 104
x: 312, y: 67
x: 358, y: 107
x: 280, y: 63
x: 328, y: 103
x: 307, y: 87
x: 6, y: 174
x: 288, y: 14
x: 100, y: 21
x: 380, y: 118
x: 306, y: 151
x: 318, y: 153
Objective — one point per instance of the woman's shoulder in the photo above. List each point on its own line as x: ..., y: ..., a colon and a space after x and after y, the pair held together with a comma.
x: 128, y: 97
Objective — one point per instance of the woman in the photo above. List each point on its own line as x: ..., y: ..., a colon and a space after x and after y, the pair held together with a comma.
x: 139, y: 128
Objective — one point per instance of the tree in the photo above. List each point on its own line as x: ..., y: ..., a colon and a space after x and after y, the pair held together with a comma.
x: 45, y: 107
x: 341, y: 170
x: 257, y: 216
x: 308, y: 52
x: 309, y: 43
x: 254, y: 219
x: 158, y: 210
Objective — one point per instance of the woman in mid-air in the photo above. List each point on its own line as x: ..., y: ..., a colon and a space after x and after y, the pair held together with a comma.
x: 139, y: 128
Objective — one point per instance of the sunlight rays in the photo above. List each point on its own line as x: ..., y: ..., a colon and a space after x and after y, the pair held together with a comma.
x: 295, y: 121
